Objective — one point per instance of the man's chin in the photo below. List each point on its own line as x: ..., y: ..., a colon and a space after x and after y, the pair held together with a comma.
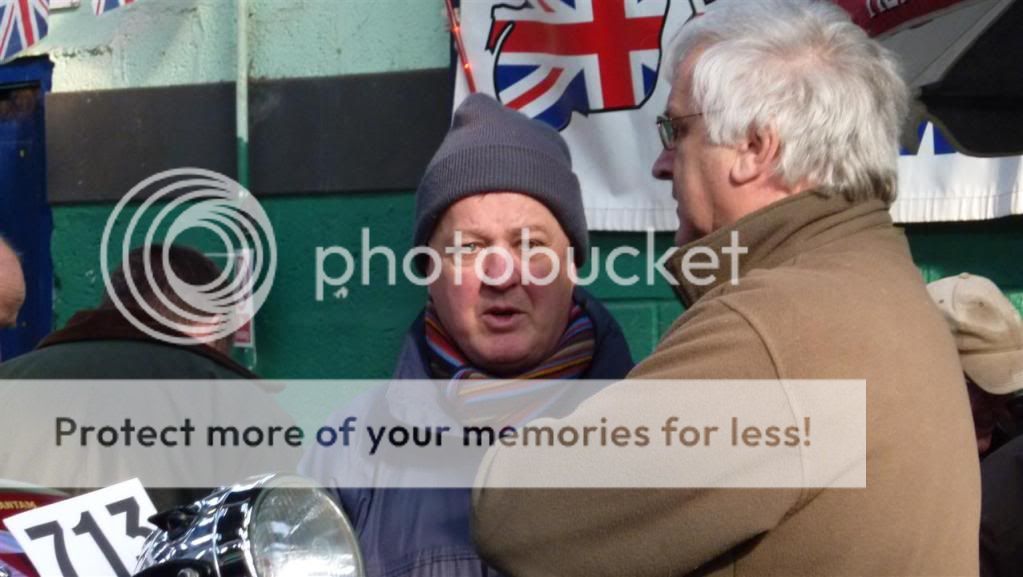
x: 508, y: 363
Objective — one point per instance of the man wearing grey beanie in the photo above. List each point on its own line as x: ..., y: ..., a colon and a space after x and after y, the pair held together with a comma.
x: 491, y: 148
x: 500, y: 186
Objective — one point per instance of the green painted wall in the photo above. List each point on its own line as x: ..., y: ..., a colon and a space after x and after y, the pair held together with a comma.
x: 353, y: 337
x: 358, y: 336
x: 991, y: 248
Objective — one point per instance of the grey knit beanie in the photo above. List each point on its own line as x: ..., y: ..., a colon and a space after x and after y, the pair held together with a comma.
x: 491, y: 148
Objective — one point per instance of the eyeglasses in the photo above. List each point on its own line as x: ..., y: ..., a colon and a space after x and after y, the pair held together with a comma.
x: 668, y: 128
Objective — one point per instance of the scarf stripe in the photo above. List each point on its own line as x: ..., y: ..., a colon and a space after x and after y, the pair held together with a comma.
x: 477, y: 398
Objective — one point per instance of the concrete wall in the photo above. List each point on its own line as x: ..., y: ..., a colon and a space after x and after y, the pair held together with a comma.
x: 172, y: 42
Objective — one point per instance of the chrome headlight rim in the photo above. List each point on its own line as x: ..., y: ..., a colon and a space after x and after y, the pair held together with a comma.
x: 219, y: 536
x: 234, y: 520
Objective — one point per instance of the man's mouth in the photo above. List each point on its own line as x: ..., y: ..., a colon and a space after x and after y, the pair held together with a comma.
x: 501, y: 318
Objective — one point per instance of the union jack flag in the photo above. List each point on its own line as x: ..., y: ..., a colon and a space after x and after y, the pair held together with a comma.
x: 553, y: 57
x: 22, y: 24
x: 101, y: 6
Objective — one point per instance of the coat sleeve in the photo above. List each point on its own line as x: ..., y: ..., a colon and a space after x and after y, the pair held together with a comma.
x: 636, y: 532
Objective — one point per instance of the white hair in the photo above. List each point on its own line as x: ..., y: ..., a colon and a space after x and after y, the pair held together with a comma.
x: 835, y: 97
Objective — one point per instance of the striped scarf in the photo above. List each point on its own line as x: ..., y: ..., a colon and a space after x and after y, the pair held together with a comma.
x: 478, y: 398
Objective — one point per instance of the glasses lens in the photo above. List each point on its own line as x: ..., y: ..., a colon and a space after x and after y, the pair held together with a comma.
x: 666, y: 131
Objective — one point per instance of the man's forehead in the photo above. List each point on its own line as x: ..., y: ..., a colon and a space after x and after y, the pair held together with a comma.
x: 496, y: 211
x: 680, y: 86
x: 675, y: 105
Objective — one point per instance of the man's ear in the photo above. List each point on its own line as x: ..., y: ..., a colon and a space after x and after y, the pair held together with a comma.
x: 757, y: 155
x: 202, y: 330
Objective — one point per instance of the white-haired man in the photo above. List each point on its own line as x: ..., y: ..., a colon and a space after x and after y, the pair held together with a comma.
x: 781, y: 127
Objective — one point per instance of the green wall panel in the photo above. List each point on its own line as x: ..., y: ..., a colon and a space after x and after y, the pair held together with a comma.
x: 358, y: 336
x: 991, y: 248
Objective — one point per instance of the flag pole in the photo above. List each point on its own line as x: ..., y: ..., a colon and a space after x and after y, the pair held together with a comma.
x: 463, y: 56
x: 247, y: 353
x: 242, y: 94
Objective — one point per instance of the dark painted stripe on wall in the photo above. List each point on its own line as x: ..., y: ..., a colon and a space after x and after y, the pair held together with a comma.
x: 373, y: 132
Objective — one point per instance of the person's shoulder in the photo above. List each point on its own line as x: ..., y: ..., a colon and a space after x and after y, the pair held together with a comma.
x: 738, y: 329
x: 807, y: 289
x: 59, y: 361
x: 181, y: 362
x: 20, y: 366
x: 711, y: 340
x: 115, y: 359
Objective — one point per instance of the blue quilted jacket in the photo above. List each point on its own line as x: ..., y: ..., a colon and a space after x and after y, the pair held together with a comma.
x: 426, y: 532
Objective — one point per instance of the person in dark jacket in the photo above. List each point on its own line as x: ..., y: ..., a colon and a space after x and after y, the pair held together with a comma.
x: 1001, y: 511
x: 499, y: 185
x: 988, y: 332
x: 103, y: 344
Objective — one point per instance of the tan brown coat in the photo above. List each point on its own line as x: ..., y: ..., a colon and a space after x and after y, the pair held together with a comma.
x: 827, y: 291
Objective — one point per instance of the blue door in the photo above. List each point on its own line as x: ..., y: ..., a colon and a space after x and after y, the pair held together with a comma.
x: 25, y: 219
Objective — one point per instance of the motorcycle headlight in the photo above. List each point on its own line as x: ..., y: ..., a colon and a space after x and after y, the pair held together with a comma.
x: 267, y: 526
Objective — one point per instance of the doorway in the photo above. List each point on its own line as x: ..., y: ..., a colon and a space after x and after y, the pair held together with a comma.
x: 25, y: 219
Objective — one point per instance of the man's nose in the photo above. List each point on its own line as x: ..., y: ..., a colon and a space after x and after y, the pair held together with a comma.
x: 502, y: 269
x: 662, y: 169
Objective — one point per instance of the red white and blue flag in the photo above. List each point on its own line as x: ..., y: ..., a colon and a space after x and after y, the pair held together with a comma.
x: 103, y: 6
x: 591, y: 69
x: 22, y: 24
x: 555, y: 57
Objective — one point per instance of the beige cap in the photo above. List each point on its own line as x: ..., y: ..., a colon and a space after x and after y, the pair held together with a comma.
x: 987, y: 330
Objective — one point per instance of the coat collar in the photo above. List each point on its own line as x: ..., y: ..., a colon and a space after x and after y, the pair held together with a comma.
x: 776, y: 234
x: 110, y: 325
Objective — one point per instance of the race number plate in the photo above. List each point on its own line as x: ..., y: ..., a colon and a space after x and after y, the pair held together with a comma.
x: 99, y: 534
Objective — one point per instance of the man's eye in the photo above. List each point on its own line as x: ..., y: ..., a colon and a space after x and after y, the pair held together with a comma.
x: 468, y: 247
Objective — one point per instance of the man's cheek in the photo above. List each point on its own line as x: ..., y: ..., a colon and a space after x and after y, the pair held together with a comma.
x: 463, y: 302
x: 542, y: 267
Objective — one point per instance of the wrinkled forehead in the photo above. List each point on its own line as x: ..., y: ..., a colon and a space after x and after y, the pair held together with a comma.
x: 498, y: 213
x: 682, y: 78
